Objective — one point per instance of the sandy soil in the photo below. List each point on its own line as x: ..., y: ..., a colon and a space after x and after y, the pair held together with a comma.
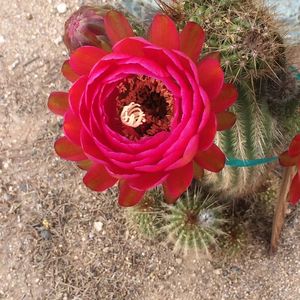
x: 49, y: 246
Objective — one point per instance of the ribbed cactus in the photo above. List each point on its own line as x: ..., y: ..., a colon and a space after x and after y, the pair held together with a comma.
x: 146, y: 216
x: 195, y: 222
x: 254, y: 136
x: 254, y: 58
x: 242, y: 31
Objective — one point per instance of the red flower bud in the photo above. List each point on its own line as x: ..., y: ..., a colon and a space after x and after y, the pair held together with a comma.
x: 86, y: 27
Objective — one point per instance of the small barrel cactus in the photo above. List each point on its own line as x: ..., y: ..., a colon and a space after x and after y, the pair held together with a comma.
x: 194, y: 222
x: 146, y: 216
x: 254, y: 136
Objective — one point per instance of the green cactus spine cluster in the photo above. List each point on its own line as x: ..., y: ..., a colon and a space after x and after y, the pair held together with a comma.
x: 194, y: 222
x: 254, y: 136
x: 146, y: 216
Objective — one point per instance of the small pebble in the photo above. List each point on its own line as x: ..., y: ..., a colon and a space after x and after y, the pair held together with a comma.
x: 218, y: 271
x: 61, y: 8
x: 2, y: 39
x: 58, y: 40
x: 98, y: 226
x: 29, y: 17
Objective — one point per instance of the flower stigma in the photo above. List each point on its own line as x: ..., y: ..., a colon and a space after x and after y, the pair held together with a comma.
x: 132, y: 115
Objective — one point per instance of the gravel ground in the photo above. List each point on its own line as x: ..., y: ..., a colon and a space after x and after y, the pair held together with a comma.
x: 60, y: 241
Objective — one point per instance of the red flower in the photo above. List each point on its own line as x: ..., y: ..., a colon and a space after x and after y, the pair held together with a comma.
x: 146, y: 113
x: 291, y: 158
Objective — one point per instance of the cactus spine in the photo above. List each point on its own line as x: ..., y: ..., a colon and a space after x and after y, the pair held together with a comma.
x: 194, y: 222
x: 253, y: 136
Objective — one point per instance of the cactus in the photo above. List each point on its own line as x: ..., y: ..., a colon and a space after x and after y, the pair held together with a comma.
x: 244, y: 33
x: 253, y: 136
x: 146, y: 216
x: 194, y: 222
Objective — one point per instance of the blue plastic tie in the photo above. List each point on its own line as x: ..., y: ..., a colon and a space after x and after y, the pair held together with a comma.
x: 233, y: 162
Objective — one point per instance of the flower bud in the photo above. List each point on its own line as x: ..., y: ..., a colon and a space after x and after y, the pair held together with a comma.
x: 86, y: 27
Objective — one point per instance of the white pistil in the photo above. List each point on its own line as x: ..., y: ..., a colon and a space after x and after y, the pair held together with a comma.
x: 132, y: 115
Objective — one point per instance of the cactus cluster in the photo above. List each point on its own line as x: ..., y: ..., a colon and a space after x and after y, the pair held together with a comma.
x: 254, y: 58
x: 242, y: 31
x: 195, y: 222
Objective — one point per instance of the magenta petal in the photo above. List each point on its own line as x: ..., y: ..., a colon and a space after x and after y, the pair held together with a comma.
x: 177, y: 182
x: 69, y: 151
x: 72, y: 127
x: 129, y: 196
x: 98, y: 179
x: 191, y: 40
x: 294, y: 194
x: 163, y: 32
x: 117, y: 26
x: 84, y: 58
x: 147, y: 181
x: 294, y: 149
x: 211, y: 76
x: 58, y: 102
x: 75, y: 94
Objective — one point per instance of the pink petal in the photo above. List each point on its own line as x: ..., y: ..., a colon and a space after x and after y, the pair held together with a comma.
x: 132, y: 46
x: 147, y: 181
x: 211, y: 76
x: 98, y: 179
x: 208, y: 133
x: 288, y: 161
x: 177, y: 182
x: 294, y: 149
x: 163, y: 32
x: 84, y: 58
x: 75, y: 94
x: 198, y: 171
x: 129, y: 196
x: 67, y: 150
x: 58, y: 102
x: 72, y: 127
x: 68, y: 72
x: 84, y: 164
x: 225, y: 120
x: 191, y: 40
x: 213, y: 159
x: 117, y: 26
x: 294, y: 194
x: 226, y: 98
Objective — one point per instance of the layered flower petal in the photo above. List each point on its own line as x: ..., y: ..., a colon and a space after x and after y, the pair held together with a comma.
x: 163, y: 32
x: 288, y: 161
x: 129, y: 196
x: 58, y: 102
x: 68, y: 72
x: 84, y: 164
x: 213, y: 159
x: 294, y: 194
x: 177, y: 182
x: 294, y: 149
x: 68, y: 151
x: 72, y: 127
x: 225, y: 120
x: 226, y: 98
x: 98, y: 179
x: 117, y: 26
x: 191, y: 40
x: 211, y: 76
x: 84, y: 58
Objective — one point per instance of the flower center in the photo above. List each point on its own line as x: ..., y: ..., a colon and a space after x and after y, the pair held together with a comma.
x: 145, y: 106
